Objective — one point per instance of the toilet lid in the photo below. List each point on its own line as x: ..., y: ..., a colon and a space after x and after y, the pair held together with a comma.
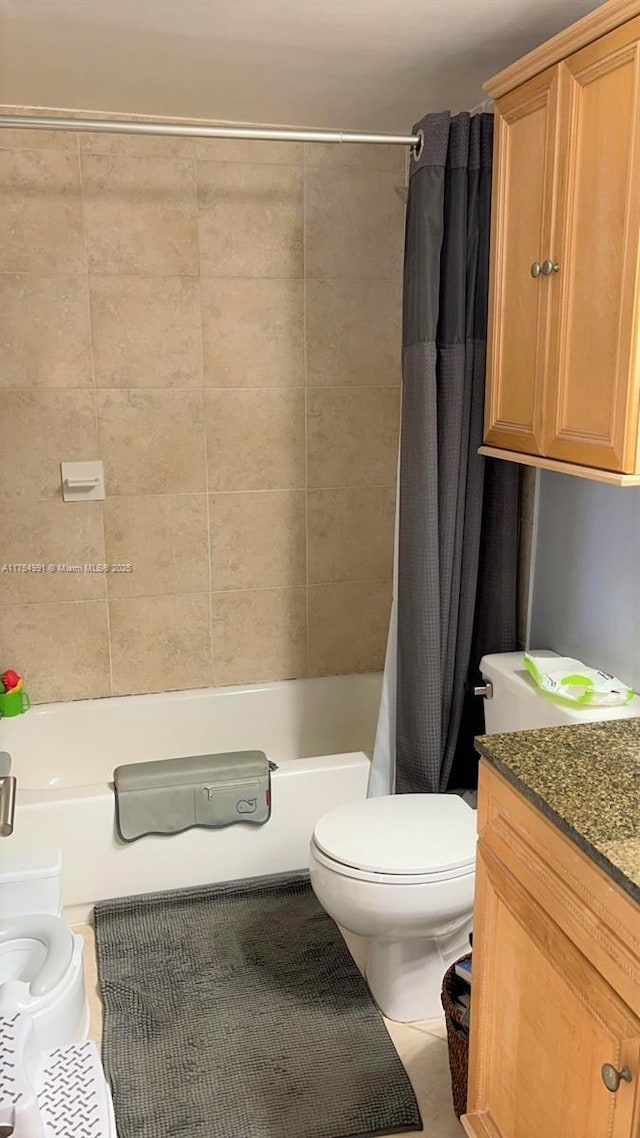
x: 403, y: 833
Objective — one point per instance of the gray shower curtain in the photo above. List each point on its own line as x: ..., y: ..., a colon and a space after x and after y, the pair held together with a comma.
x: 458, y: 512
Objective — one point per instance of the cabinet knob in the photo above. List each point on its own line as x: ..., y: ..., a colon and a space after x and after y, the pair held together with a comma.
x: 549, y: 267
x: 536, y: 269
x: 612, y: 1078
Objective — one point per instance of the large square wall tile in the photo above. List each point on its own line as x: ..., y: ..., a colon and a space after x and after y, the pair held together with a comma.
x: 353, y: 333
x: 352, y: 436
x: 146, y: 331
x: 250, y: 150
x: 41, y: 215
x: 140, y: 214
x: 360, y: 155
x: 250, y: 218
x: 64, y: 535
x: 253, y: 332
x: 255, y: 439
x: 348, y: 625
x: 160, y: 643
x: 258, y: 635
x: 38, y: 431
x: 61, y: 650
x: 16, y: 138
x: 257, y: 539
x: 44, y: 331
x: 135, y: 145
x: 354, y: 223
x: 152, y: 441
x: 163, y: 537
x: 351, y: 534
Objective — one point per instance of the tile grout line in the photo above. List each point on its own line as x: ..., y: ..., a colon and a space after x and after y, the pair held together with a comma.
x: 306, y: 407
x: 204, y: 422
x: 202, y: 593
x: 20, y: 502
x: 95, y: 402
x: 193, y: 276
x: 218, y: 387
x: 432, y: 1032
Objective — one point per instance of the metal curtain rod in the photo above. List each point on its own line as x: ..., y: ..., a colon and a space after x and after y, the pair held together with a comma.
x: 272, y: 134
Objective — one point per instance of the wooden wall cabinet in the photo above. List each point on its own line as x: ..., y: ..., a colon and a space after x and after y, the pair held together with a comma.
x: 556, y: 982
x: 563, y: 373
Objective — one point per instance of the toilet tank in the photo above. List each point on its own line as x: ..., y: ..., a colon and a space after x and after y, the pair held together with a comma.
x: 518, y: 705
x: 30, y: 882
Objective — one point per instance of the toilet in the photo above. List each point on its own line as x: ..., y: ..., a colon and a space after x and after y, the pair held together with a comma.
x: 41, y: 969
x: 399, y: 870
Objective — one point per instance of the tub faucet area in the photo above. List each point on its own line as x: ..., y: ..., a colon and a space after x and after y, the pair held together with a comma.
x: 7, y: 795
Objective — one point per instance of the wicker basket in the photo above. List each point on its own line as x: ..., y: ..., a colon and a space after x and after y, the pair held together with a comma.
x: 457, y: 1037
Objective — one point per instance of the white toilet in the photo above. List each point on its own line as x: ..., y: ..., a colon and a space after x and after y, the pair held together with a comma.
x: 399, y: 870
x: 41, y: 971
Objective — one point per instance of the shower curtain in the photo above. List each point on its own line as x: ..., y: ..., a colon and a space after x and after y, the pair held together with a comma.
x: 457, y: 517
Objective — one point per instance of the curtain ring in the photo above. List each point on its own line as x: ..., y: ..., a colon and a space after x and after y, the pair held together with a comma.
x: 418, y: 147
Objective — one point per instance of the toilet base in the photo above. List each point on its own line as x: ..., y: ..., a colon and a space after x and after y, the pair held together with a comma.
x: 405, y: 976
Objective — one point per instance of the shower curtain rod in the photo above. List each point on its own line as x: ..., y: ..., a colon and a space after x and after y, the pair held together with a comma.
x: 270, y: 134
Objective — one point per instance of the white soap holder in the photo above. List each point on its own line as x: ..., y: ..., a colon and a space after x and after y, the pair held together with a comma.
x: 82, y: 481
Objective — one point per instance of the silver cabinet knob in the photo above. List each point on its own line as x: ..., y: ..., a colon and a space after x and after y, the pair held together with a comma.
x: 536, y: 269
x: 549, y: 267
x: 612, y: 1078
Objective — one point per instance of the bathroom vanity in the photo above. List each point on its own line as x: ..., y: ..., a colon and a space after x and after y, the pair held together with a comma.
x: 555, y: 1014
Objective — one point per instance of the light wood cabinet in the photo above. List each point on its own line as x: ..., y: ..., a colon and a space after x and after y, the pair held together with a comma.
x: 522, y: 214
x: 563, y: 373
x: 556, y: 982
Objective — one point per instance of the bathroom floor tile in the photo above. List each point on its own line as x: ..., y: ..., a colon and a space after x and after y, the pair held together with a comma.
x: 421, y: 1047
x: 91, y: 981
x: 426, y: 1062
x: 435, y: 1027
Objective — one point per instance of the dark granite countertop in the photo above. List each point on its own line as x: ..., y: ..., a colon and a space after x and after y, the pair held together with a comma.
x: 586, y: 779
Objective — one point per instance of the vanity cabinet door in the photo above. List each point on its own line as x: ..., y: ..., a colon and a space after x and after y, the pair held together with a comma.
x: 544, y: 1022
x: 591, y: 412
x: 521, y: 222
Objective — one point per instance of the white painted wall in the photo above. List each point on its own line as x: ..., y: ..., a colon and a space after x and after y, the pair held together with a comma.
x: 585, y: 599
x: 356, y: 64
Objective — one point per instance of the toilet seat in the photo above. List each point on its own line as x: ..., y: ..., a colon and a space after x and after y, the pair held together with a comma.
x: 55, y: 938
x: 399, y: 839
x: 374, y: 877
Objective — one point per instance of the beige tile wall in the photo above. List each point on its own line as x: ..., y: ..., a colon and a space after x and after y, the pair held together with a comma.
x: 219, y: 321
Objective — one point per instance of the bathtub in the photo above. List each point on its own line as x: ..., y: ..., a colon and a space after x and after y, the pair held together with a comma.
x: 318, y: 731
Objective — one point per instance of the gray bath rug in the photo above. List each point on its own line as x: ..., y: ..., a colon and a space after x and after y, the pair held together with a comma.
x: 236, y: 1011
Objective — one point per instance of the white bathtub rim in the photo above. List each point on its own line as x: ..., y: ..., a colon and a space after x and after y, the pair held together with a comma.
x: 177, y: 695
x: 289, y: 768
x: 79, y: 743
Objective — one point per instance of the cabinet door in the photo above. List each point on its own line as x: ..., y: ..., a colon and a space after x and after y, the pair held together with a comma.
x: 522, y: 214
x: 543, y: 1024
x: 591, y: 412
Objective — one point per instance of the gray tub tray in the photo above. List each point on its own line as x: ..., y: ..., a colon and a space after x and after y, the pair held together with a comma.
x: 172, y: 795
